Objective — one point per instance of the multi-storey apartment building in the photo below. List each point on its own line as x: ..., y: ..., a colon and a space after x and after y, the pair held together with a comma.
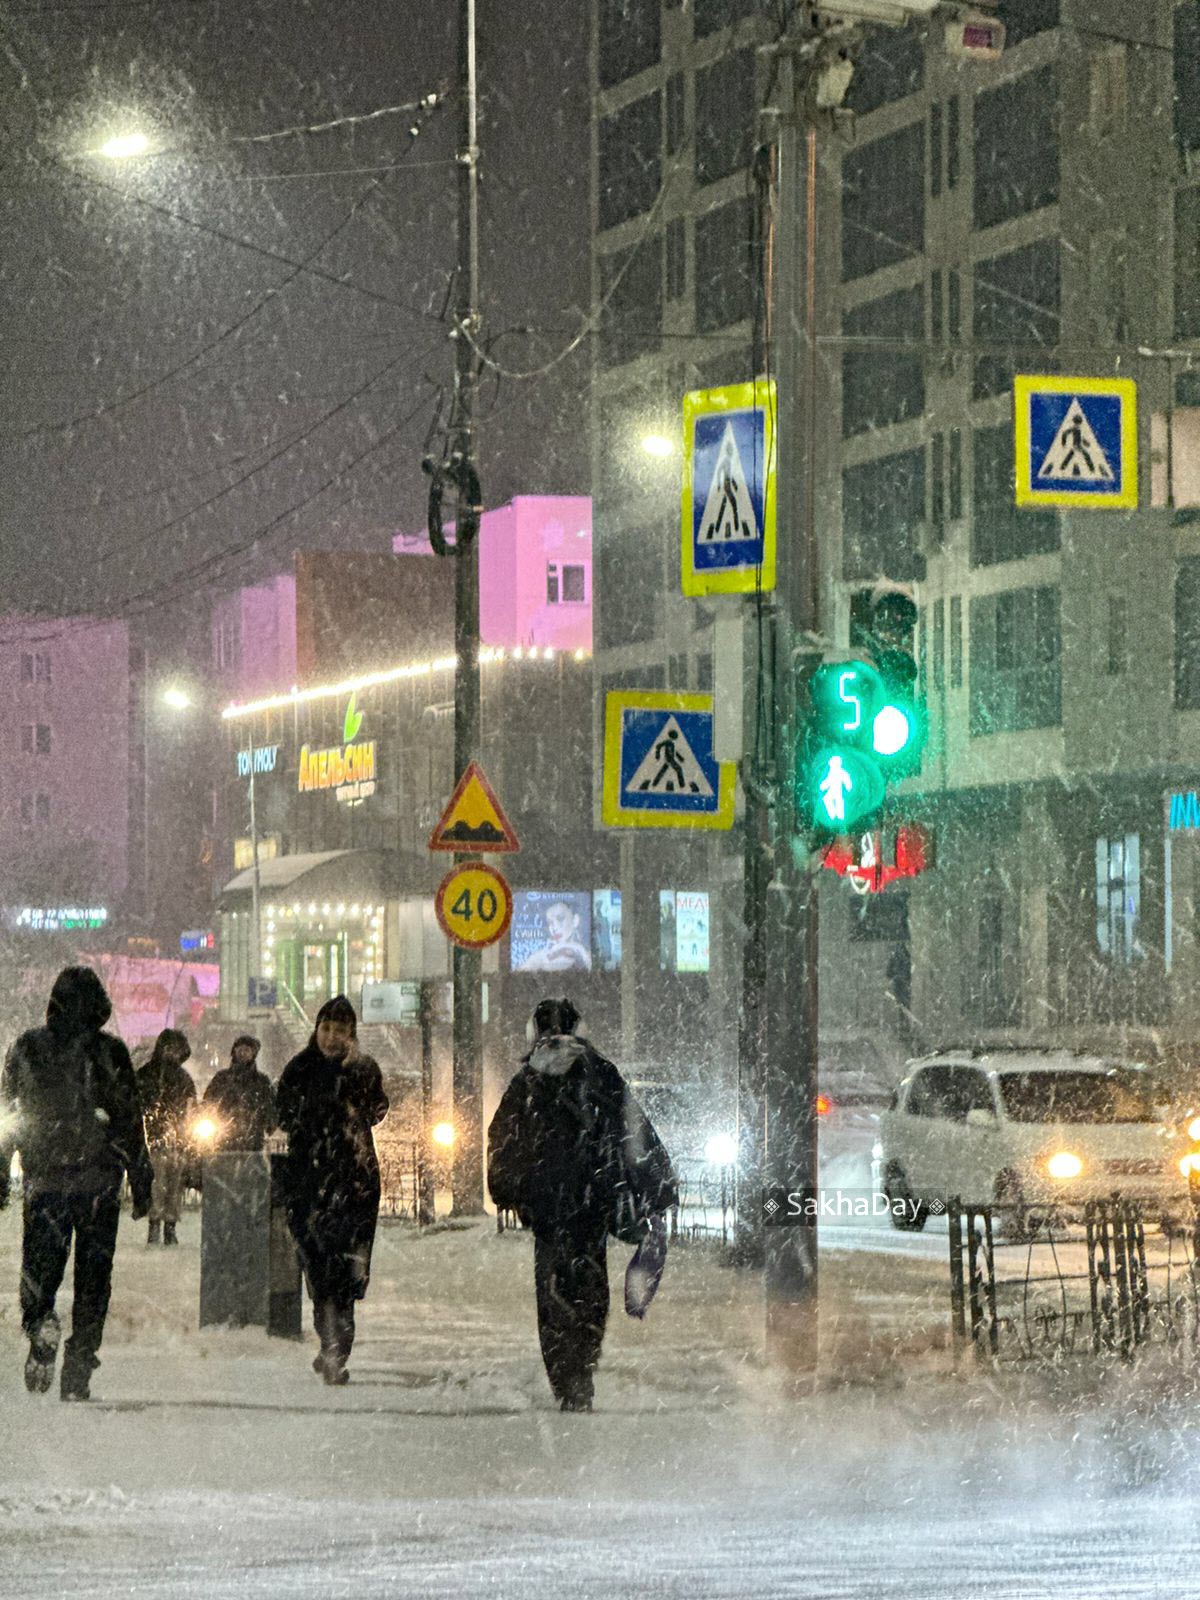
x: 1039, y: 213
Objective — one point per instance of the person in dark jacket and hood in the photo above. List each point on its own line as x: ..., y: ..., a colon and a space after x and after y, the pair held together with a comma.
x: 328, y: 1100
x: 168, y: 1098
x: 574, y: 1155
x: 69, y: 1104
x: 242, y: 1100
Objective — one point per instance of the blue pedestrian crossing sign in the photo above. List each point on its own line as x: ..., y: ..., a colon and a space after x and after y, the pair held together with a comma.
x: 729, y: 489
x: 1076, y: 441
x: 659, y: 767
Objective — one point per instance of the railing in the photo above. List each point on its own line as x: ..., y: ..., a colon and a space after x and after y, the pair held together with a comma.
x: 295, y: 1005
x: 1106, y: 1279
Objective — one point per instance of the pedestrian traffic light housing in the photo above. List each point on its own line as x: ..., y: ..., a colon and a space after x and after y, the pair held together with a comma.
x: 866, y: 727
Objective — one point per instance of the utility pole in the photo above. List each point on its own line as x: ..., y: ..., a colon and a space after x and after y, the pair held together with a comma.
x: 458, y: 469
x: 790, y: 1023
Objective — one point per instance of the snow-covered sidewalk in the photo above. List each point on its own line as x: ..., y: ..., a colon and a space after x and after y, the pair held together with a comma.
x: 216, y: 1464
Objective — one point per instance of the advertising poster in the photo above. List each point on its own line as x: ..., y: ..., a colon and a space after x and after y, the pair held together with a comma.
x: 606, y: 929
x: 551, y: 931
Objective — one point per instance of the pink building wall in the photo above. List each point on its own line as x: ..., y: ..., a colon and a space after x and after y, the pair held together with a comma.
x: 254, y: 639
x: 518, y: 543
x: 71, y: 676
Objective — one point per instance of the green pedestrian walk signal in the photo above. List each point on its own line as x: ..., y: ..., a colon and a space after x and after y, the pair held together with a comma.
x: 865, y: 728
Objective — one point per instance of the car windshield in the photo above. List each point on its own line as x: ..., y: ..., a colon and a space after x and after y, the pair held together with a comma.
x: 1076, y: 1097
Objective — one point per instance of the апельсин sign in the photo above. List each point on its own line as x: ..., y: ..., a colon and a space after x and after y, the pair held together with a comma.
x: 348, y: 769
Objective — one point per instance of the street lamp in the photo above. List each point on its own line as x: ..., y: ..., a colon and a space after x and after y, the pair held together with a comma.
x: 658, y: 445
x: 124, y: 146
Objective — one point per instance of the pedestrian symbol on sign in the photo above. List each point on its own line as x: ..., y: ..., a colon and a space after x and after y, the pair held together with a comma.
x: 670, y: 766
x: 728, y: 508
x: 1076, y: 452
x: 835, y: 786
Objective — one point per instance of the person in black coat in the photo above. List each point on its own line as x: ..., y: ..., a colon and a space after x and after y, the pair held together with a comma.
x: 328, y: 1100
x: 69, y: 1104
x: 168, y: 1098
x: 574, y: 1155
x: 242, y: 1100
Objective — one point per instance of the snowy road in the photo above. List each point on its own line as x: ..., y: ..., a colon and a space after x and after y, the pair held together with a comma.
x: 214, y: 1465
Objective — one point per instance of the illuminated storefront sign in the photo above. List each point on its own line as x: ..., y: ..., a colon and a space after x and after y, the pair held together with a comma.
x: 197, y: 939
x: 1184, y: 814
x: 56, y: 919
x: 266, y: 758
x: 348, y: 769
x: 243, y: 851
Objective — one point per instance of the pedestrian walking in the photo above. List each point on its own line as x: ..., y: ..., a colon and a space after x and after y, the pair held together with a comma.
x: 241, y: 1099
x: 329, y: 1098
x: 574, y: 1155
x: 69, y: 1104
x: 168, y: 1098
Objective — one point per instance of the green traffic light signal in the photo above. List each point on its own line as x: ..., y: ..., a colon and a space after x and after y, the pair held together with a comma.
x: 844, y: 789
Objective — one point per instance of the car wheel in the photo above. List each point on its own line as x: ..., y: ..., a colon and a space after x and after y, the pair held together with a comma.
x: 1013, y: 1218
x: 908, y: 1215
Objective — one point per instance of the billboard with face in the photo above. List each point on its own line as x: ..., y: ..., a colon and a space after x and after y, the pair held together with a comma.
x: 551, y: 931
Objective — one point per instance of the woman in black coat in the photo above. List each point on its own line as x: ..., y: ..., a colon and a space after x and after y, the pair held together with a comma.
x: 328, y: 1099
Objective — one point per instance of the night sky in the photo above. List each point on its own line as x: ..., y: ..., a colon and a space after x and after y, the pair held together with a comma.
x: 298, y: 407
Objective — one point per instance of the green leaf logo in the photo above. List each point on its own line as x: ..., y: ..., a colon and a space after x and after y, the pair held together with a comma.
x: 352, y: 723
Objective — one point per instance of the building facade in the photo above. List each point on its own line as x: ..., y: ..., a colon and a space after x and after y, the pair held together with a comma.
x: 975, y: 219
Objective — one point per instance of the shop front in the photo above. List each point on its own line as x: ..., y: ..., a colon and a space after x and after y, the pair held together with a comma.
x: 322, y: 930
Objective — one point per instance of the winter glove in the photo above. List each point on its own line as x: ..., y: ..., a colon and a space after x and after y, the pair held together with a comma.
x: 141, y: 1206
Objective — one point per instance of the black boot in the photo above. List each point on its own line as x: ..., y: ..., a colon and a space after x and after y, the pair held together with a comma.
x: 77, y: 1376
x: 154, y: 1233
x: 169, y: 1234
x: 331, y: 1363
x: 43, y: 1349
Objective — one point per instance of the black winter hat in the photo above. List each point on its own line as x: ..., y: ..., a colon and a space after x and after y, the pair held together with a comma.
x: 554, y: 1016
x: 78, y: 1002
x: 338, y: 1009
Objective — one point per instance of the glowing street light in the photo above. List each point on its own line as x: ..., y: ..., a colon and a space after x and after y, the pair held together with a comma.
x: 657, y: 444
x: 124, y: 146
x: 443, y: 1134
x: 177, y: 699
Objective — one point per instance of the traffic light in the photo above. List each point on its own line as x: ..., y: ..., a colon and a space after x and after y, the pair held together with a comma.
x: 866, y: 726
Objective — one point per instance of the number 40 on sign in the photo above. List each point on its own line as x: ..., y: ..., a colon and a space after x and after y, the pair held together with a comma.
x: 474, y: 905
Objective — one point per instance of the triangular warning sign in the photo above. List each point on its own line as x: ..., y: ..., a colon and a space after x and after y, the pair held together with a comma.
x: 474, y: 819
x: 670, y: 766
x: 728, y: 510
x: 1075, y: 453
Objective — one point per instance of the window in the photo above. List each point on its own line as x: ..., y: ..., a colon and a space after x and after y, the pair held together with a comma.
x: 677, y: 671
x: 676, y: 131
x: 1108, y: 92
x: 35, y: 810
x: 1187, y: 80
x: 631, y: 322
x: 724, y: 286
x: 1118, y: 898
x: 630, y: 171
x: 967, y: 1090
x: 935, y: 149
x: 937, y: 306
x: 937, y: 488
x: 955, y: 485
x: 883, y: 514
x: 939, y: 644
x: 1016, y: 148
x: 35, y: 739
x: 1016, y: 309
x: 225, y: 642
x: 35, y: 667
x: 1016, y: 650
x: 704, y: 670
x: 676, y: 259
x: 725, y: 108
x: 1000, y: 531
x: 709, y: 15
x: 890, y: 65
x: 996, y: 1003
x: 1024, y: 18
x: 1187, y: 264
x: 954, y: 309
x: 1117, y: 661
x: 956, y: 643
x: 928, y: 1092
x: 882, y: 385
x: 953, y: 136
x: 883, y: 202
x: 1187, y: 634
x: 566, y: 584
x: 629, y: 38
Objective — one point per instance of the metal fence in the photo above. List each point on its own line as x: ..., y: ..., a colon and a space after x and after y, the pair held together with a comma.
x: 1105, y: 1279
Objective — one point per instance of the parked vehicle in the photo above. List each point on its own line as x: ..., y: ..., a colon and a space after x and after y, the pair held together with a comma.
x: 1028, y: 1128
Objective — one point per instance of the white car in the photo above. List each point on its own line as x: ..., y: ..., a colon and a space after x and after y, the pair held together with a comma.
x: 1020, y: 1128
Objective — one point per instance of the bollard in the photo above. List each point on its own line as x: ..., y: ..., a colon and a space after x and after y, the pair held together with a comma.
x: 234, y: 1240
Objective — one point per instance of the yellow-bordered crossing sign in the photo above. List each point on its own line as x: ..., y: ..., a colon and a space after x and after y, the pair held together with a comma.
x: 1076, y: 441
x: 659, y: 767
x: 729, y: 489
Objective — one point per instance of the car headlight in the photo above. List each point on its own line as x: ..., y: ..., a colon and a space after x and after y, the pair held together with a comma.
x: 204, y: 1130
x: 1063, y: 1164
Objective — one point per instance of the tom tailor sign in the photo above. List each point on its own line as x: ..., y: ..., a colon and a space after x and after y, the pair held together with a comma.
x: 349, y: 770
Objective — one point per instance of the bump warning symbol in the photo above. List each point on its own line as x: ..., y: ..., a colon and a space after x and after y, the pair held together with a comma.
x: 474, y: 819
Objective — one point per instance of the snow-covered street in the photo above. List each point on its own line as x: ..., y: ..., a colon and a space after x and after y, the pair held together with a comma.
x: 215, y: 1464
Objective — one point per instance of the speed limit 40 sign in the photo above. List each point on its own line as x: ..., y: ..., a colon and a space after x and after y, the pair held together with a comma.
x: 474, y: 905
